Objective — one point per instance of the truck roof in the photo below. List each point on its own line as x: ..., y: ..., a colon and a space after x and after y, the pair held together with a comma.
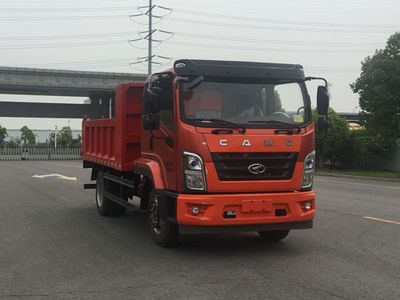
x: 238, y: 69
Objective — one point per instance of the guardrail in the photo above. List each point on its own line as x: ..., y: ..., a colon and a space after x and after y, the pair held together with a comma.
x: 40, y: 153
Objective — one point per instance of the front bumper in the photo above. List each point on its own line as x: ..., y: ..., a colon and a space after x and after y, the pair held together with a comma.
x: 187, y: 229
x: 244, y: 212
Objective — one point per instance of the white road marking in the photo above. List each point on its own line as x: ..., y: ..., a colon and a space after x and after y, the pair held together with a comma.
x: 381, y: 220
x: 361, y: 184
x: 54, y: 175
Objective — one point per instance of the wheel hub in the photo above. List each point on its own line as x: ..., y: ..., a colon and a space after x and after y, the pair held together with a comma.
x: 155, y: 216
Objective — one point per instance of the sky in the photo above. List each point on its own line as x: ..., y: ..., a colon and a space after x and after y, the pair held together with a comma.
x: 329, y: 38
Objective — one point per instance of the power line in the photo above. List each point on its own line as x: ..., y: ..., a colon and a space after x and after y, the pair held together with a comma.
x: 53, y: 2
x: 284, y: 22
x: 61, y: 45
x: 287, y: 28
x: 191, y: 35
x: 113, y: 60
x: 58, y: 18
x: 345, y: 26
x: 227, y: 47
x: 66, y: 9
x: 107, y: 1
x: 352, y: 2
x: 269, y: 9
x: 64, y: 37
x: 264, y: 49
x: 280, y: 42
x: 360, y: 27
x: 373, y: 27
x: 193, y: 21
x: 183, y: 34
x: 90, y: 63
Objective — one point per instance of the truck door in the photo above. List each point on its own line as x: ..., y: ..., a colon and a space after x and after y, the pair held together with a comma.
x: 165, y: 146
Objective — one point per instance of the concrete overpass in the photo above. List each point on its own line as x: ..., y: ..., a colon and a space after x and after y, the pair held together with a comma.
x: 98, y: 86
x: 61, y: 82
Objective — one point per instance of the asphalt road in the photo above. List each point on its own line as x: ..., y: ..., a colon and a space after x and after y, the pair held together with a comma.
x: 54, y: 245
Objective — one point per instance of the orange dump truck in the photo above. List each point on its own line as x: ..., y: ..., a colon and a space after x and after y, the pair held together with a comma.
x: 209, y: 147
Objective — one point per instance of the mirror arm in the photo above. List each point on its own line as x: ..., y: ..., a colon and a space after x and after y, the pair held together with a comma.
x: 168, y: 140
x: 317, y: 78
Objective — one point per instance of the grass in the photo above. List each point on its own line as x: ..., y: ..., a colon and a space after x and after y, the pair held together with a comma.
x: 360, y: 172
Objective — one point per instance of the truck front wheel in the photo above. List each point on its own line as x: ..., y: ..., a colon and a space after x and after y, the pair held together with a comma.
x: 273, y: 236
x: 164, y: 232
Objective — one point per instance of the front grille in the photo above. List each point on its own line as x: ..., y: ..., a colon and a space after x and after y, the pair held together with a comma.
x: 235, y: 166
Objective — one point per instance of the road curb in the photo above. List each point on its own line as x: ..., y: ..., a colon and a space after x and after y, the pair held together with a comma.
x: 357, y: 177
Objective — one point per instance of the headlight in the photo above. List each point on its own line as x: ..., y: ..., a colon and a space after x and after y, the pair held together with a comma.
x: 193, y: 171
x: 308, y: 173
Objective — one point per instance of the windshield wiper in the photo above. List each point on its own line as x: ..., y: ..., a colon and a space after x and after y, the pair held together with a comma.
x: 226, y: 124
x: 279, y: 123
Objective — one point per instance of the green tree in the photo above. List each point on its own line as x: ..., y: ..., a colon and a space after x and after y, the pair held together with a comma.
x: 332, y: 144
x: 50, y: 139
x: 15, y: 142
x: 64, y: 137
x: 364, y: 149
x: 76, y: 143
x: 27, y: 136
x: 3, y: 134
x: 379, y: 91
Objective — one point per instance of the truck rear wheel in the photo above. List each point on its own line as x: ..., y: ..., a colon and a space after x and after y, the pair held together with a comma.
x: 105, y: 206
x: 273, y: 236
x: 164, y: 232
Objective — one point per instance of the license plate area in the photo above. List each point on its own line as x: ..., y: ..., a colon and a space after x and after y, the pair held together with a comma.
x: 256, y: 206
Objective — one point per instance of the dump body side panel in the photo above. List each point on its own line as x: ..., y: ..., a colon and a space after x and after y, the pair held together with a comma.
x: 115, y: 143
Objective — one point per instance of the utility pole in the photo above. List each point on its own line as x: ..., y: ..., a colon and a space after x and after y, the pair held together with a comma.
x: 55, y: 137
x: 150, y: 54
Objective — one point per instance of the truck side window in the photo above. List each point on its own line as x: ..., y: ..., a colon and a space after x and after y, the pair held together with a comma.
x: 167, y: 102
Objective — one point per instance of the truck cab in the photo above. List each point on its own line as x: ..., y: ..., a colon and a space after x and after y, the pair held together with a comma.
x: 233, y: 144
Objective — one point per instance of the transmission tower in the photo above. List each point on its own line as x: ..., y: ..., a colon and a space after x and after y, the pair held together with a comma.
x: 150, y: 54
x: 148, y: 35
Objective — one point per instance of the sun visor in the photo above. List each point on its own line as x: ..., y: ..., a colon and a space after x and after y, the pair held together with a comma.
x: 238, y: 69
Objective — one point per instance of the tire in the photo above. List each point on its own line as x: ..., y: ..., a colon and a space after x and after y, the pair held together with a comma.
x: 105, y: 206
x: 273, y: 236
x: 164, y: 232
x: 119, y: 210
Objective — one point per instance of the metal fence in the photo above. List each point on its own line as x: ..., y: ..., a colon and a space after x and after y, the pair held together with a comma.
x: 36, y: 153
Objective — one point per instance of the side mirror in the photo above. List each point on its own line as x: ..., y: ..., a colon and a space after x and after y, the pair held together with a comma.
x: 151, y: 105
x: 151, y: 99
x: 151, y: 121
x: 323, y: 124
x: 322, y: 100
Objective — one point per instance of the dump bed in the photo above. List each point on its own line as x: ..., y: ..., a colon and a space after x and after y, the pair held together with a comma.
x: 115, y: 143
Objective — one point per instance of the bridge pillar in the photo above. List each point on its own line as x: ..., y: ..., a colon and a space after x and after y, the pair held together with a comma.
x: 101, y: 106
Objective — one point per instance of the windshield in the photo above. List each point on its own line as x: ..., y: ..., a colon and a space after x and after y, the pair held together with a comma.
x: 255, y: 105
